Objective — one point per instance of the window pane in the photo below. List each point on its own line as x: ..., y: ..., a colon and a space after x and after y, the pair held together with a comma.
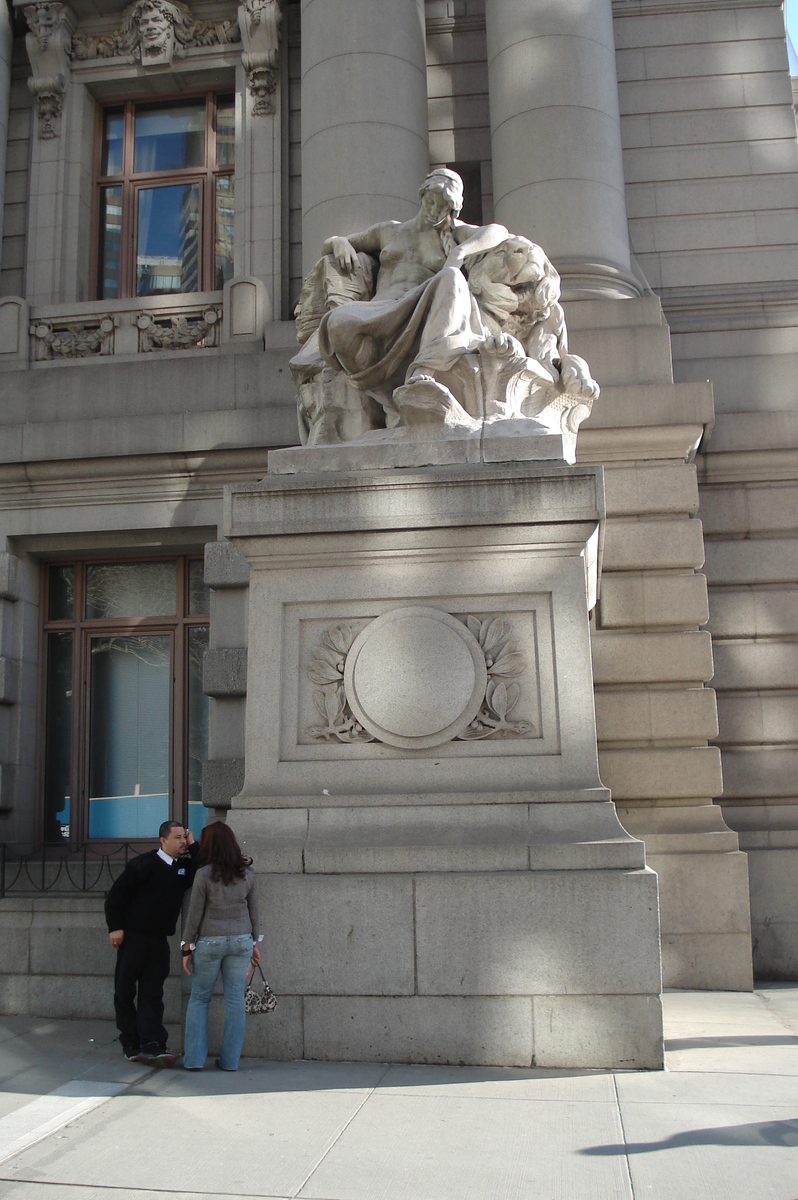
x: 225, y: 212
x: 170, y: 138
x: 113, y: 136
x: 131, y: 590
x: 110, y: 242
x: 225, y: 132
x: 58, y: 738
x: 129, y: 738
x: 168, y: 240
x: 61, y: 594
x: 197, y: 728
x: 199, y: 596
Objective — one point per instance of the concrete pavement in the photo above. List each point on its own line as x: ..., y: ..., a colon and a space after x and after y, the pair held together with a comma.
x: 721, y: 1123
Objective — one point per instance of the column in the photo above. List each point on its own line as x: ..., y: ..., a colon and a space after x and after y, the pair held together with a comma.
x: 6, y: 45
x: 556, y: 138
x: 365, y: 139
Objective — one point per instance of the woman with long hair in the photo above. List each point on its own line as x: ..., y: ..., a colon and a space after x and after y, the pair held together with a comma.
x: 221, y: 934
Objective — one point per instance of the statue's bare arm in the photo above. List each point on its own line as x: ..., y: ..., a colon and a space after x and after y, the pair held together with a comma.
x: 346, y: 249
x: 474, y: 239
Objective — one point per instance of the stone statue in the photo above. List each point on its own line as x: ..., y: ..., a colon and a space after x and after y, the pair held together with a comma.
x: 435, y: 323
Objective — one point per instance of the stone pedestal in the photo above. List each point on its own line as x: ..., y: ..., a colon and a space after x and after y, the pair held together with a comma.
x: 444, y: 876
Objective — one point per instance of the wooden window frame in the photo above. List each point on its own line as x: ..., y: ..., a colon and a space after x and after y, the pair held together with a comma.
x: 82, y: 630
x: 131, y: 183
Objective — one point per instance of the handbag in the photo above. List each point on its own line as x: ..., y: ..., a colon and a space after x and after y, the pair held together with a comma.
x: 264, y: 1001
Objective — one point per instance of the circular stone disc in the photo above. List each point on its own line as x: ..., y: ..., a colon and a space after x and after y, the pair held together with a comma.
x: 415, y: 677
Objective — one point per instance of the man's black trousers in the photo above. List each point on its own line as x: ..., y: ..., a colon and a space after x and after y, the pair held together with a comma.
x: 142, y: 962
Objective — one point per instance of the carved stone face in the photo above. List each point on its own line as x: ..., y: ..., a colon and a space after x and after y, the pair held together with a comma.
x: 155, y: 33
x: 435, y: 206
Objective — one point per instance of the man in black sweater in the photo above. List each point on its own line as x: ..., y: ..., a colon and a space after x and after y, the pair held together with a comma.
x: 141, y: 910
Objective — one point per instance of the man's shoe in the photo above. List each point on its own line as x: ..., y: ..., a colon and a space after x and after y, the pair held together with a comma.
x: 165, y: 1058
x: 147, y: 1058
x: 131, y: 1055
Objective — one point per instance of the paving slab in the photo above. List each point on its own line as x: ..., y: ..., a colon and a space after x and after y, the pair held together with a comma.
x: 406, y: 1147
x: 697, y: 1150
x: 720, y: 1123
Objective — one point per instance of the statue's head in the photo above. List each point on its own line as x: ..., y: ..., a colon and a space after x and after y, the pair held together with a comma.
x: 446, y: 182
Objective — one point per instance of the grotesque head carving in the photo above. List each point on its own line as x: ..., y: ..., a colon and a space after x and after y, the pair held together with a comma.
x: 155, y: 31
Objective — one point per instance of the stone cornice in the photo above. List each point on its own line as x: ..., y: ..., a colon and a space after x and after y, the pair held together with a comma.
x: 731, y: 306
x: 666, y: 8
x: 127, y: 480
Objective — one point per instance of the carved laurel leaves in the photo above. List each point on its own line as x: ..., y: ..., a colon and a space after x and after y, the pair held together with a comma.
x: 504, y: 665
x: 329, y: 697
x: 502, y: 693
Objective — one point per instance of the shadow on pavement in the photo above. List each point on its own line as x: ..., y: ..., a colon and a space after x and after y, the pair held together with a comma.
x: 758, y: 1133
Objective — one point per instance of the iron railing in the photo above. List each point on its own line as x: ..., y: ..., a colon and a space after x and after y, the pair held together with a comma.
x: 49, y: 869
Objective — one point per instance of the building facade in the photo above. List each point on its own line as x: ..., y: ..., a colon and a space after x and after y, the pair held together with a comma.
x: 170, y: 172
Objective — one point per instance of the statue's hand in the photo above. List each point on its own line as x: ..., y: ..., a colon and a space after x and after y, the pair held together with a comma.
x: 344, y: 254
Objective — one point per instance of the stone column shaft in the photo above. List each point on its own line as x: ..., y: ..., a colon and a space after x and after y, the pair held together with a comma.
x: 365, y: 139
x: 6, y: 48
x: 556, y: 137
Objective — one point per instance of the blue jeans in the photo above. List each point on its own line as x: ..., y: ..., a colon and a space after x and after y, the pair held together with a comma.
x: 231, y: 956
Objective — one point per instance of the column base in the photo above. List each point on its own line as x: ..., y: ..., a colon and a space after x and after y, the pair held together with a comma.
x: 584, y: 279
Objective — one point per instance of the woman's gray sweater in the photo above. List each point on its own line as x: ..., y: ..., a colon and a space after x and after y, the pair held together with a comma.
x: 222, y: 910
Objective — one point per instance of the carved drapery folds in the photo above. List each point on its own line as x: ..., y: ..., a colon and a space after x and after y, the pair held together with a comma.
x: 49, y: 44
x: 259, y: 22
x: 154, y: 32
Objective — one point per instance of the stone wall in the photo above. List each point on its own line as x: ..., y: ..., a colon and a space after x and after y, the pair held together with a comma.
x: 711, y: 161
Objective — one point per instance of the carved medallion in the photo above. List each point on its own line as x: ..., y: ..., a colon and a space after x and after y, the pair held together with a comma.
x: 417, y: 677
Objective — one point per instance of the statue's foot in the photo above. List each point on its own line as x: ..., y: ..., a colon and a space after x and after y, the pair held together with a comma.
x: 425, y: 402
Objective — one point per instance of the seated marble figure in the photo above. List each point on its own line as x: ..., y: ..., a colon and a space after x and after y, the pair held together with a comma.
x: 435, y: 323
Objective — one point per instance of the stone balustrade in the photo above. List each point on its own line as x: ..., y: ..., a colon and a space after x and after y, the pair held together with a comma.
x: 53, y: 334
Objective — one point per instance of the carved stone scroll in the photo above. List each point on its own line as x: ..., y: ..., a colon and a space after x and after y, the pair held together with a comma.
x: 48, y: 44
x: 259, y: 22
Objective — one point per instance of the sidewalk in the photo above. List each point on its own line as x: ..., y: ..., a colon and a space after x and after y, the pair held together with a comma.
x: 721, y: 1123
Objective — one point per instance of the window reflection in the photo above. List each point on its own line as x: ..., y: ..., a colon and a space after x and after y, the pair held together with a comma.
x: 225, y: 133
x: 225, y: 215
x: 129, y: 739
x: 169, y: 138
x: 113, y: 142
x: 146, y: 589
x: 61, y: 594
x: 199, y: 594
x: 110, y: 242
x: 58, y: 738
x: 197, y: 728
x: 168, y: 242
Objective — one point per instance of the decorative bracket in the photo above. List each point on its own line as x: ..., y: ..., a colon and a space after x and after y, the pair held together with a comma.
x: 259, y: 22
x: 49, y: 44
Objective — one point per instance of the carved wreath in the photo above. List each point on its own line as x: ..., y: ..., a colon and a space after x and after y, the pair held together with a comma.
x: 502, y: 693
